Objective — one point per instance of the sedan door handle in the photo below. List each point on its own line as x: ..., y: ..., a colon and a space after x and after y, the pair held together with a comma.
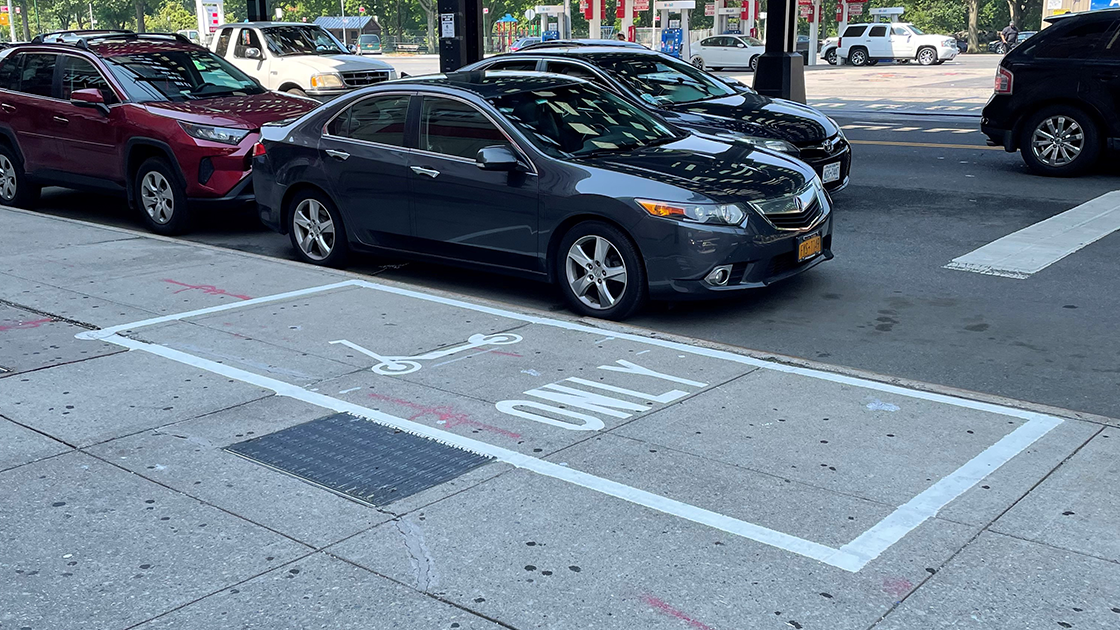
x: 338, y: 155
x: 61, y: 120
x: 11, y: 109
x: 430, y: 172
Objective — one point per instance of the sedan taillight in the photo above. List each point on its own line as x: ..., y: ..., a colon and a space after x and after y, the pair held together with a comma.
x: 1004, y: 80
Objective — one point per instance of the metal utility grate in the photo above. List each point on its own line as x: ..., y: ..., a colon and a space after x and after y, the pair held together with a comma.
x: 357, y: 458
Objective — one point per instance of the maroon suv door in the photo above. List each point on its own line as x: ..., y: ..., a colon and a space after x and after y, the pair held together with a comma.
x: 88, y: 140
x: 26, y: 104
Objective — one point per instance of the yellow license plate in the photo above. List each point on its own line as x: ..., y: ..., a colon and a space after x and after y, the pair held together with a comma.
x: 809, y: 247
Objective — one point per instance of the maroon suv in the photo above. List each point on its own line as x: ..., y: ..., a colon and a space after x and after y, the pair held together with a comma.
x: 153, y: 116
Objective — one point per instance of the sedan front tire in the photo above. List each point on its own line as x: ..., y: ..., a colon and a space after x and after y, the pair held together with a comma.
x: 600, y: 271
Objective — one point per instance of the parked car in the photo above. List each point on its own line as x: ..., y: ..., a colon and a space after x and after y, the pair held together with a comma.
x: 154, y: 117
x: 1057, y: 96
x: 523, y: 42
x: 727, y: 51
x: 369, y: 44
x: 697, y: 101
x: 544, y: 176
x: 297, y: 58
x: 828, y: 50
x: 1001, y: 48
x: 862, y: 44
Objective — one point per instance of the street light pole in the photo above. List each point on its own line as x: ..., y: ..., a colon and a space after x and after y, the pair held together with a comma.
x: 342, y: 7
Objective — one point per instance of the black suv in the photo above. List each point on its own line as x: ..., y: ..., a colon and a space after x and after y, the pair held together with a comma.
x: 1057, y: 95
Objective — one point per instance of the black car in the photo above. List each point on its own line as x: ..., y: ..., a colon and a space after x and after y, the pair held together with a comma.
x: 543, y: 176
x: 698, y: 101
x: 1057, y: 95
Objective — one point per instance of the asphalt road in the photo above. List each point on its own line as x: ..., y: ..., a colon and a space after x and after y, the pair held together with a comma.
x: 918, y: 199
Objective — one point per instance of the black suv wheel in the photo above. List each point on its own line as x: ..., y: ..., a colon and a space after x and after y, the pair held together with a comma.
x: 1059, y: 141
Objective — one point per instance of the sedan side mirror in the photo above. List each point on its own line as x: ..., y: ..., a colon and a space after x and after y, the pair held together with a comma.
x: 253, y: 53
x: 497, y: 158
x: 91, y: 98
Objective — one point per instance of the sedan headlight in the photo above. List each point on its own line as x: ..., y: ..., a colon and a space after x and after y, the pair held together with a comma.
x: 225, y: 135
x: 712, y: 213
x: 780, y: 146
x: 327, y: 81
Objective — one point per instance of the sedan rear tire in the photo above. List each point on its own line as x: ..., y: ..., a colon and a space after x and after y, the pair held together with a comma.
x: 830, y: 57
x: 600, y: 271
x: 316, y: 230
x: 698, y: 62
x: 754, y: 63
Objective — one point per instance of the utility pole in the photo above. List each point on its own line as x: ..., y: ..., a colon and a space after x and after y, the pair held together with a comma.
x: 12, y: 20
x: 342, y: 6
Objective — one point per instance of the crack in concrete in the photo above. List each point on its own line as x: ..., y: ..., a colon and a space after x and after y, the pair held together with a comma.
x: 423, y: 566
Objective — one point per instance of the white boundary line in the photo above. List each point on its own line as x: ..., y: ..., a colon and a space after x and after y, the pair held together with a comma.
x: 850, y: 557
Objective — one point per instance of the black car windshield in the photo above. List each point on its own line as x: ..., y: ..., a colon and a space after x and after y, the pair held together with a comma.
x: 301, y: 40
x: 180, y: 75
x: 663, y: 81
x: 580, y: 119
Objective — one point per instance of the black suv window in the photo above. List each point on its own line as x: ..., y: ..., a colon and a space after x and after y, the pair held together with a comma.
x: 79, y: 74
x: 376, y: 119
x: 877, y: 31
x: 855, y: 31
x: 1077, y: 41
x: 223, y: 41
x: 456, y: 128
x: 37, y: 74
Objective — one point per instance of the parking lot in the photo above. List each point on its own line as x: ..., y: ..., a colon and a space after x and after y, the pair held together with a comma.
x: 208, y: 434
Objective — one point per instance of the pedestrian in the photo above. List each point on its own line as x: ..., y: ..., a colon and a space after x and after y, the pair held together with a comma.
x: 1009, y: 35
x: 621, y: 37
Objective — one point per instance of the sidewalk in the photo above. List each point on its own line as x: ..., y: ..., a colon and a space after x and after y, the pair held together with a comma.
x: 199, y: 438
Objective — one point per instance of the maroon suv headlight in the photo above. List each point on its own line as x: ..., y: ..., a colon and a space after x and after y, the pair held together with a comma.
x: 224, y: 135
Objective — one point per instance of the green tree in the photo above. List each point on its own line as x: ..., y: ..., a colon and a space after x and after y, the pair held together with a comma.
x: 172, y: 16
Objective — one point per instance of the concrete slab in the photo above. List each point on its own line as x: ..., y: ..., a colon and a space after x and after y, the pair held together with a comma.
x: 881, y: 447
x: 257, y: 353
x: 1078, y: 507
x: 1002, y: 583
x: 319, y: 592
x: 35, y: 233
x: 30, y: 341
x: 108, y: 397
x: 188, y: 457
x: 83, y: 267
x: 87, y: 545
x: 796, y: 508
x: 533, y: 552
x: 384, y: 323
x: 20, y: 445
x: 72, y: 305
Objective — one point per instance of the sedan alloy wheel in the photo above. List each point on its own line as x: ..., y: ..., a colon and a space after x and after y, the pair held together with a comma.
x: 596, y: 272
x: 313, y: 229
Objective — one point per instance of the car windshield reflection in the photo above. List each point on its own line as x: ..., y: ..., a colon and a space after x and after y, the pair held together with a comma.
x: 579, y: 120
x: 663, y: 81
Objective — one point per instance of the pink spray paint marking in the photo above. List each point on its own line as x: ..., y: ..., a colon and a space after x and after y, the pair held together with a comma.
x: 25, y: 325
x: 205, y: 288
x: 447, y: 415
x: 897, y: 587
x: 666, y: 609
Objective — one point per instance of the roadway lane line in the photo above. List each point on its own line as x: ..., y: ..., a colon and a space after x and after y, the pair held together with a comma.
x: 924, y: 145
x: 1036, y: 247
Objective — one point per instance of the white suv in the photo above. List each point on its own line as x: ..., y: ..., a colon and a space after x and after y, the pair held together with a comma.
x: 300, y: 59
x: 866, y: 44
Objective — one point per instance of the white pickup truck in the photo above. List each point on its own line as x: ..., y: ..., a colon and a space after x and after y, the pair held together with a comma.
x: 301, y: 59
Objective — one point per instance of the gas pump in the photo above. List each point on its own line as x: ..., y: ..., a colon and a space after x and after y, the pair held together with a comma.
x: 211, y: 14
x: 675, y: 39
x: 553, y: 22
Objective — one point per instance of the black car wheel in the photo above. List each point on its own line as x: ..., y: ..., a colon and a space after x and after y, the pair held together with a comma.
x: 316, y: 229
x: 927, y: 56
x: 15, y: 190
x: 858, y: 56
x: 161, y: 198
x: 830, y: 57
x: 1059, y: 141
x: 600, y: 271
x: 754, y: 63
x: 698, y: 62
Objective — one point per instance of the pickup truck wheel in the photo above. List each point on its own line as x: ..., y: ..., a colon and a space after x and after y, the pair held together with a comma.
x: 296, y: 91
x: 927, y: 56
